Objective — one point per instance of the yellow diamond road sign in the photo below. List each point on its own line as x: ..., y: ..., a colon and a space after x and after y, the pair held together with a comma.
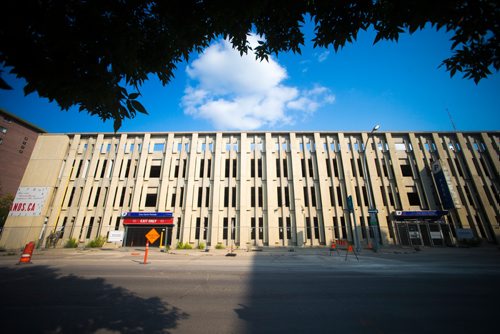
x: 152, y: 236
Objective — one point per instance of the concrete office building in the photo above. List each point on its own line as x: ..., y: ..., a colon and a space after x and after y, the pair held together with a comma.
x: 262, y: 188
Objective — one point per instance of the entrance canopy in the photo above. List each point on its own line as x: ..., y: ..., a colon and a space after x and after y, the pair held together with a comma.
x: 148, y: 218
x: 419, y: 215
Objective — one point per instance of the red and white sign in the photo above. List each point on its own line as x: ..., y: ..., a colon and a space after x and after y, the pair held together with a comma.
x: 148, y: 221
x: 29, y: 201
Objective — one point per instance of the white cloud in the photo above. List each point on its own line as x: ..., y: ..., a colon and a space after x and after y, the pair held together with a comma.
x: 323, y: 56
x: 240, y: 92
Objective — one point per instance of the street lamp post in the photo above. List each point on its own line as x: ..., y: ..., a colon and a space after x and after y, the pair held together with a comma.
x: 371, y: 205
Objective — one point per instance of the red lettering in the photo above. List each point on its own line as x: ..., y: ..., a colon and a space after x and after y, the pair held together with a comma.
x: 31, y: 207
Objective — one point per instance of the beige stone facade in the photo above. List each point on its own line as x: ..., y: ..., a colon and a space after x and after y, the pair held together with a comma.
x: 261, y: 188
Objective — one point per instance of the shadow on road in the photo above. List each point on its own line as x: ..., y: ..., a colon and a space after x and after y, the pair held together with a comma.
x: 71, y: 304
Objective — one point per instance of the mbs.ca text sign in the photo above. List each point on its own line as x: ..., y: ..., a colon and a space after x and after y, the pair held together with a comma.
x: 29, y: 201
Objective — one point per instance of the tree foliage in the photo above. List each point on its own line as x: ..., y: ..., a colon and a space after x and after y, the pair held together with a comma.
x: 6, y: 201
x: 95, y: 54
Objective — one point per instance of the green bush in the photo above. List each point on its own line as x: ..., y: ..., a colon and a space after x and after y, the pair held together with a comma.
x: 186, y: 245
x: 97, y: 242
x: 219, y: 246
x: 201, y: 245
x: 71, y: 243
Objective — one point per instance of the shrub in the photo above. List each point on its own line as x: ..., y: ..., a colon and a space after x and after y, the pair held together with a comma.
x: 181, y: 245
x: 71, y: 243
x: 219, y: 246
x: 201, y: 245
x: 97, y: 242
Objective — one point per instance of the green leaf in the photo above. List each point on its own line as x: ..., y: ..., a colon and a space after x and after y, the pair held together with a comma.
x: 4, y: 85
x: 133, y: 96
x: 138, y: 107
x: 117, y: 124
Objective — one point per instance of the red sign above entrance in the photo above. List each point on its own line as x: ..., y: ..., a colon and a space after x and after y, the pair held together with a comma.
x: 148, y: 221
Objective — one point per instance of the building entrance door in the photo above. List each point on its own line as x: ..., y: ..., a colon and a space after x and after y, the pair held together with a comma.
x: 422, y: 233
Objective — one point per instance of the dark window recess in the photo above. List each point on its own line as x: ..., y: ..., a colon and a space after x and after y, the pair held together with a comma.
x: 384, y: 198
x: 103, y: 171
x: 332, y: 199
x: 384, y: 167
x: 285, y: 168
x: 339, y: 196
x: 202, y: 168
x: 209, y: 168
x: 353, y: 168
x: 287, y: 197
x: 308, y: 228
x: 335, y: 168
x: 306, y: 197
x: 122, y: 197
x: 391, y: 198
x: 378, y: 168
x: 89, y: 229
x: 197, y: 231
x: 336, y: 227
x: 316, y: 227
x: 224, y: 229
x: 360, y: 168
x: 96, y: 168
x: 71, y: 196
x: 184, y: 167
x: 181, y: 197
x: 205, y: 228
x: 96, y: 200
x: 358, y: 196
x: 406, y: 171
x: 155, y: 171
x: 485, y: 167
x: 79, y: 169
x: 413, y: 199
x: 176, y: 170
x: 117, y: 223
x: 260, y: 197
x: 226, y: 197
x: 280, y: 203
x: 344, y: 229
x: 328, y: 168
x: 259, y: 165
x: 234, y: 167
x: 288, y: 228
x: 252, y: 167
x: 365, y: 196
x: 207, y: 197
x: 303, y: 165
x: 127, y: 170
x: 151, y: 200
x: 252, y: 233
x: 459, y: 169
x: 172, y: 203
x: 278, y: 168
x: 311, y: 169
x: 233, y: 228
x: 261, y: 228
x: 200, y: 193
x: 179, y: 228
x: 226, y: 172
x: 252, y: 197
x: 233, y: 197
x: 313, y: 197
x: 280, y: 226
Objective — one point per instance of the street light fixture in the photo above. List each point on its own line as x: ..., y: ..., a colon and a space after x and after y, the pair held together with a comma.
x: 371, y: 205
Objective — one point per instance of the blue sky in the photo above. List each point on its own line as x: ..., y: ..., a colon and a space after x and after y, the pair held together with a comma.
x: 397, y: 85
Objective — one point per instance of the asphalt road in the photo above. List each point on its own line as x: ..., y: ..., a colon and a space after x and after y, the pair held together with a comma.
x: 433, y: 291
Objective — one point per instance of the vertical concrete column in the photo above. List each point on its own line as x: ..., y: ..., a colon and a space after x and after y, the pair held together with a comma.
x: 215, y: 233
x: 270, y: 198
x: 297, y: 209
x: 188, y: 227
x: 245, y: 186
x: 323, y: 202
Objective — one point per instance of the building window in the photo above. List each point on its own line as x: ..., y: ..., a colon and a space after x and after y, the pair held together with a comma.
x: 172, y: 204
x: 260, y: 197
x: 200, y: 193
x: 413, y: 199
x: 227, y: 168
x: 158, y: 147
x: 151, y: 200
x: 259, y: 166
x: 278, y: 169
x: 226, y: 197
x: 234, y: 197
x: 313, y: 197
x: 225, y: 227
x: 306, y: 197
x: 285, y: 168
x: 154, y: 172
x: 311, y: 170
x: 202, y: 167
x: 287, y: 197
x: 278, y: 189
x: 252, y: 167
x: 234, y: 168
x: 252, y: 197
x: 207, y: 198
